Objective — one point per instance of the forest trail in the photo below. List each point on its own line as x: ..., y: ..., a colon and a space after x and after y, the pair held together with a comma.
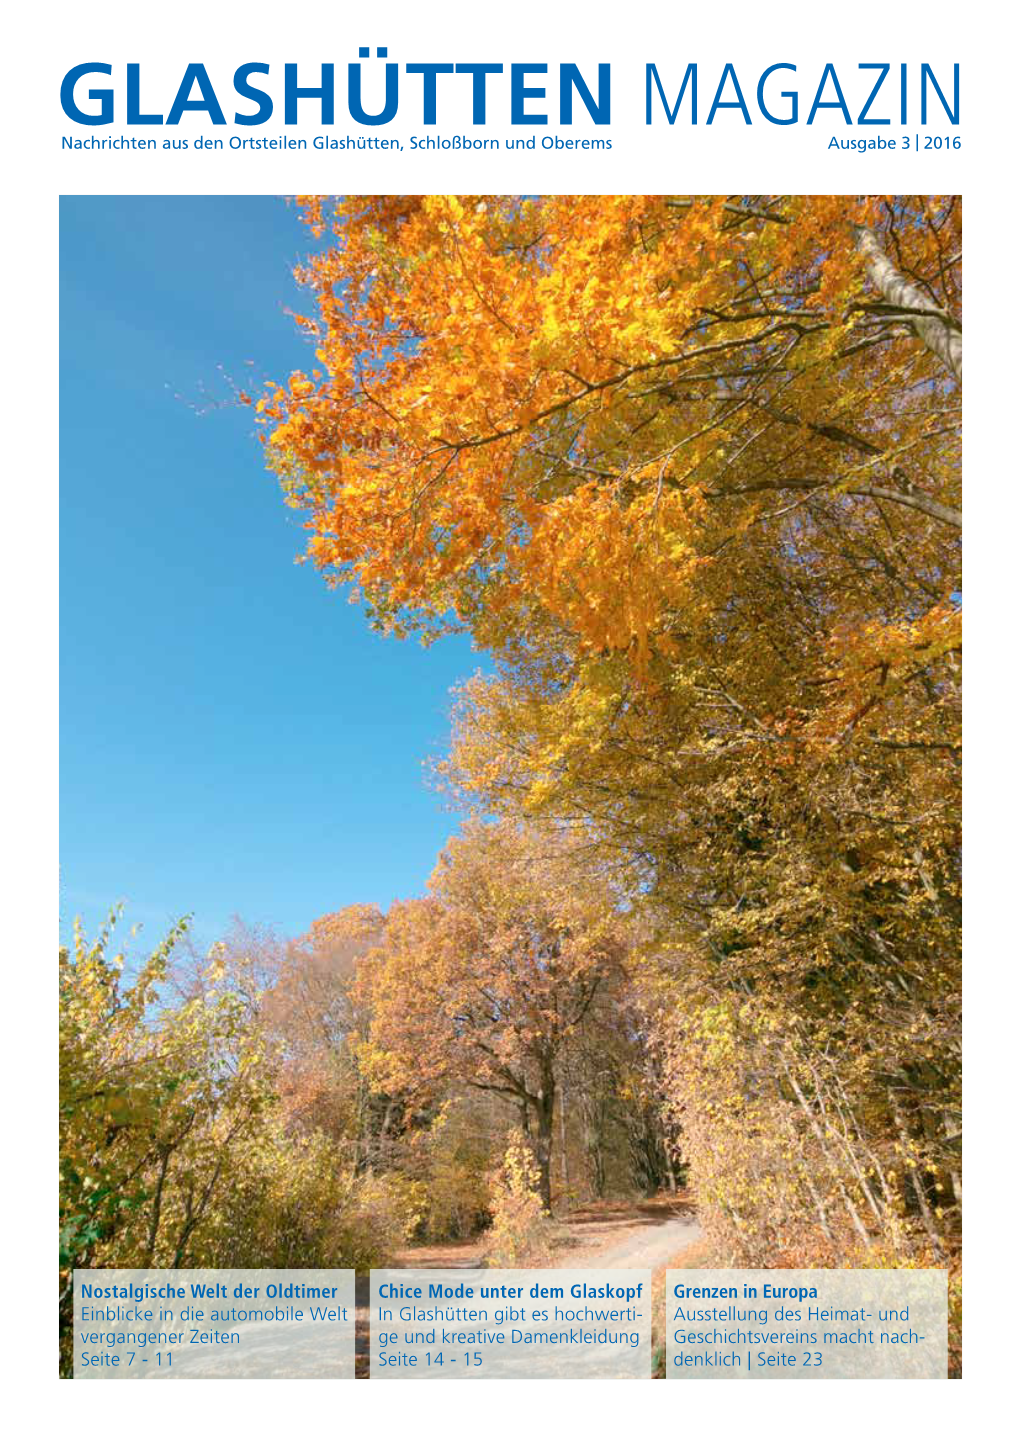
x: 648, y: 1234
x: 601, y: 1234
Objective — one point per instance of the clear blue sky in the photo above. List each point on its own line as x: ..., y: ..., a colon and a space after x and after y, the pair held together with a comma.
x: 234, y: 738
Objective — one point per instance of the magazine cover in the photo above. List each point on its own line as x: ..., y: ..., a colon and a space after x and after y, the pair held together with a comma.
x: 510, y: 699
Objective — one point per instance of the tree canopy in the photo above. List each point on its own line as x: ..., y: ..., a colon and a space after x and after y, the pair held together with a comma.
x: 689, y: 469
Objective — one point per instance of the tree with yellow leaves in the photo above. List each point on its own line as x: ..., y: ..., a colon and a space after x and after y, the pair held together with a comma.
x: 690, y: 468
x: 492, y: 977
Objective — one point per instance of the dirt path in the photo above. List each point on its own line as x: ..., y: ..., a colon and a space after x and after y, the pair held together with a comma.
x: 647, y: 1234
x: 603, y: 1234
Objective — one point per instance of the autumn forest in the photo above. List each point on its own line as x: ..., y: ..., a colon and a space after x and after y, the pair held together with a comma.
x: 687, y: 471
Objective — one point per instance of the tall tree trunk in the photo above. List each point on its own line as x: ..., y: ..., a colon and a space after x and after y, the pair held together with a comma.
x: 544, y: 1105
x: 564, y: 1163
x: 935, y: 327
x: 670, y: 1168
